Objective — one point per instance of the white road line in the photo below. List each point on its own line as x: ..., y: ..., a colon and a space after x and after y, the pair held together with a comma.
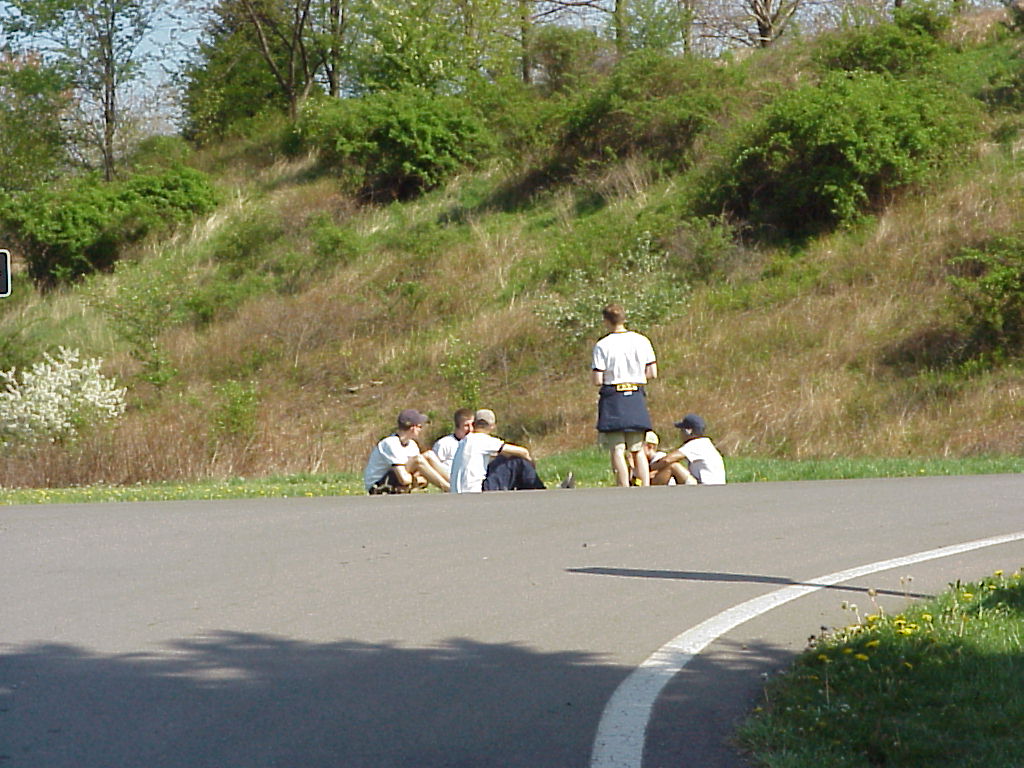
x: 620, y: 734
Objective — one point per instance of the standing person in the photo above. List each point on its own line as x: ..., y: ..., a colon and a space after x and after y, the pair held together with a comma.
x: 484, y: 462
x: 622, y: 363
x: 698, y: 451
x: 445, y: 447
x: 396, y: 464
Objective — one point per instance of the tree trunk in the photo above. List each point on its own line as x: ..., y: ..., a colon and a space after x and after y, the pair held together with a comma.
x: 620, y: 22
x: 526, y: 40
x: 109, y: 92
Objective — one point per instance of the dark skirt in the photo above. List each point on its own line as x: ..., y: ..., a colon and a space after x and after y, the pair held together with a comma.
x: 624, y: 411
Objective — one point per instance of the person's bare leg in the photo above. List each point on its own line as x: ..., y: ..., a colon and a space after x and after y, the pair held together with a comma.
x: 662, y: 476
x: 421, y: 465
x: 619, y: 465
x: 436, y: 463
x: 682, y: 475
x: 642, y: 468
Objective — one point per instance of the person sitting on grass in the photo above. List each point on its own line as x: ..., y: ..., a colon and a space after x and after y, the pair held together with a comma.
x: 679, y: 475
x: 445, y: 447
x: 396, y: 464
x: 484, y: 462
x: 703, y: 461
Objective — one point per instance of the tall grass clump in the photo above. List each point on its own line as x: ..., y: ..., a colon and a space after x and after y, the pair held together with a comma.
x: 940, y: 683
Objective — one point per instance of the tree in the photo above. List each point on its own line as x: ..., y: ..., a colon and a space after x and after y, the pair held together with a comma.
x: 757, y: 23
x: 281, y: 30
x: 33, y: 99
x: 97, y: 44
x: 441, y: 45
x: 226, y: 81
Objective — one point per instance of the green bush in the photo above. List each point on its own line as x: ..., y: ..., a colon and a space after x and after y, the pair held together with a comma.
x: 566, y: 57
x: 640, y: 278
x: 989, y: 286
x: 83, y: 226
x: 821, y: 155
x: 890, y: 48
x: 395, y: 144
x: 654, y: 104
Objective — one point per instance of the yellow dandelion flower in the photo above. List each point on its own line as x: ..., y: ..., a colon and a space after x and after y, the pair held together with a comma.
x: 997, y: 573
x: 824, y: 657
x: 847, y: 651
x: 968, y: 595
x: 872, y: 643
x: 861, y: 656
x: 908, y: 665
x: 926, y: 617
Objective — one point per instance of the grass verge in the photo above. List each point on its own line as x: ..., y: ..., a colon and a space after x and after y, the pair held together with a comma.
x: 940, y: 684
x: 590, y: 467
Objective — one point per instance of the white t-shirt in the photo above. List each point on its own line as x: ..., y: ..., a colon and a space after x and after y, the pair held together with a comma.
x: 386, y: 454
x: 469, y: 467
x: 706, y: 462
x: 445, y: 448
x: 624, y: 357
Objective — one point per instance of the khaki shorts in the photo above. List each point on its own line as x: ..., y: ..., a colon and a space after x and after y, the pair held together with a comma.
x: 630, y: 441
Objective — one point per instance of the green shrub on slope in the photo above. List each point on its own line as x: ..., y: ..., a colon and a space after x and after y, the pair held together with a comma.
x: 395, y: 144
x: 83, y: 226
x: 822, y: 155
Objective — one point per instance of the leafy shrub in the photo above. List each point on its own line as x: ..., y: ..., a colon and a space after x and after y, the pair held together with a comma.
x: 461, y: 369
x: 160, y: 152
x: 395, y: 144
x: 652, y: 103
x: 333, y: 244
x: 989, y: 284
x: 891, y: 48
x: 819, y: 156
x: 565, y: 57
x: 55, y: 399
x: 236, y: 410
x: 83, y: 227
x: 146, y: 298
x: 639, y: 279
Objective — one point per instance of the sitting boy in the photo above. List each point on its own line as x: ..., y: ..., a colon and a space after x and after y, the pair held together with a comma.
x: 702, y: 458
x: 396, y: 464
x: 677, y: 474
x: 484, y: 462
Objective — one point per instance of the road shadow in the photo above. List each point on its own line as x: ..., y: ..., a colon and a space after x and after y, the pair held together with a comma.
x: 643, y: 573
x: 244, y: 700
x: 697, y: 714
x: 248, y: 700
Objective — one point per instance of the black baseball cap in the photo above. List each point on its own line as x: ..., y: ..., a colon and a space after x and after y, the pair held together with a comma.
x: 410, y: 417
x: 692, y: 422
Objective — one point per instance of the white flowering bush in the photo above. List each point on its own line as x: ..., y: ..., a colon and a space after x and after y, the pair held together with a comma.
x: 55, y: 399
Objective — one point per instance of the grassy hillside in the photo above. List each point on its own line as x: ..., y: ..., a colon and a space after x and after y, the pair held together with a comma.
x: 282, y: 333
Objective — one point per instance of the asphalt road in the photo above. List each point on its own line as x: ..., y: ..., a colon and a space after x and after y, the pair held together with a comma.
x: 427, y: 631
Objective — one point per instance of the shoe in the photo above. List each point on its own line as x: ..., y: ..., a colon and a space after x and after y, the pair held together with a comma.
x: 569, y: 482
